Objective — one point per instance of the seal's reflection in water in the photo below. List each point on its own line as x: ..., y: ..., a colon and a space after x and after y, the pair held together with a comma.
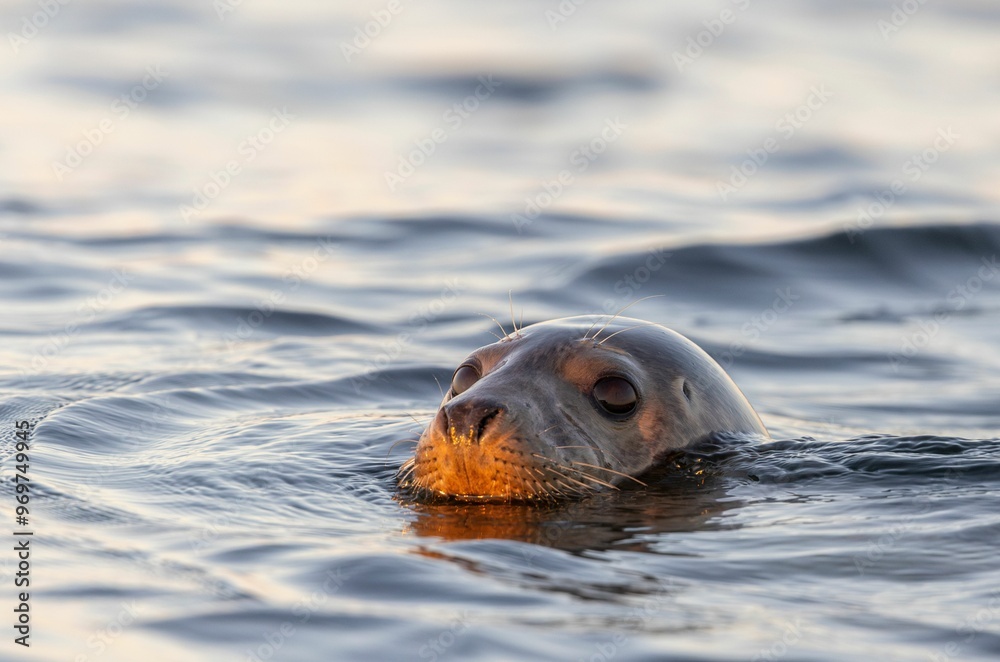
x: 683, y: 495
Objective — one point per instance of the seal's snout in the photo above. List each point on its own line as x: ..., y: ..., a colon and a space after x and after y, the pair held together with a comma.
x: 467, y: 420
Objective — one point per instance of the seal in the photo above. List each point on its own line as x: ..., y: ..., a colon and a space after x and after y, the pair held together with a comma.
x: 572, y: 407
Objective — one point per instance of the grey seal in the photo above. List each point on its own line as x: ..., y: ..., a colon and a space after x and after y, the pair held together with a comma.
x: 571, y: 407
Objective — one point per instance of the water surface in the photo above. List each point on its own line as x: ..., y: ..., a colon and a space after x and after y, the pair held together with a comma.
x: 223, y: 316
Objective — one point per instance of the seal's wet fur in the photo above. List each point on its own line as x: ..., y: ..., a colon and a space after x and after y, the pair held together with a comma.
x: 530, y: 427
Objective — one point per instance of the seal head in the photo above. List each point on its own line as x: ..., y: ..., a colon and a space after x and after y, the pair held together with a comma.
x: 570, y: 407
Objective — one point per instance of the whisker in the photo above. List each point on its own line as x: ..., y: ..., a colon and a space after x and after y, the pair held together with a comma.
x: 582, y: 474
x: 406, y: 470
x: 535, y: 490
x: 502, y: 330
x: 396, y: 443
x: 617, y: 473
x: 549, y: 488
x: 556, y: 482
x: 576, y: 471
x: 596, y: 322
x: 591, y: 448
x: 509, y: 488
x: 520, y: 477
x: 513, y: 322
x: 402, y: 441
x: 586, y: 487
x: 637, y: 326
x: 569, y: 488
x: 543, y: 483
x: 599, y: 450
x: 622, y: 310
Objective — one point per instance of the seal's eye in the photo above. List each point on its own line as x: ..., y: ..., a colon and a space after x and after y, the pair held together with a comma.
x: 465, y: 377
x: 616, y: 396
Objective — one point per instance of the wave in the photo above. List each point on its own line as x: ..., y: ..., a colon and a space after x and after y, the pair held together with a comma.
x: 841, y: 269
x: 868, y: 458
x: 238, y: 321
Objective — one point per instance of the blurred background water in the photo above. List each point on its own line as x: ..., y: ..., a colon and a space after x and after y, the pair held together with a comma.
x: 241, y: 241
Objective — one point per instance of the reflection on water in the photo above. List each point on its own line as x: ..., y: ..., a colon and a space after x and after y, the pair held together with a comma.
x: 680, y: 499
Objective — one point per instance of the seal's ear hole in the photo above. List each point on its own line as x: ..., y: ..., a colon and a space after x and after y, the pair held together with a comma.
x: 464, y: 377
x: 687, y: 390
x: 616, y: 396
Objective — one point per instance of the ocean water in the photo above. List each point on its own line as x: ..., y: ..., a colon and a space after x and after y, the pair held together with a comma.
x: 243, y: 245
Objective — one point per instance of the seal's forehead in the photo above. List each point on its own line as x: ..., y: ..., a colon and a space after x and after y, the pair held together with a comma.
x: 571, y: 348
x: 533, y: 340
x: 591, y: 330
x: 490, y: 355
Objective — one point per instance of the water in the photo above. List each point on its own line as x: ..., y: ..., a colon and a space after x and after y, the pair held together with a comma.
x: 230, y: 291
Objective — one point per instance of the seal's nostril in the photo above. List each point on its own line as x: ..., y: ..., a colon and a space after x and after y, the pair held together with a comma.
x: 486, y: 421
x: 470, y: 419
